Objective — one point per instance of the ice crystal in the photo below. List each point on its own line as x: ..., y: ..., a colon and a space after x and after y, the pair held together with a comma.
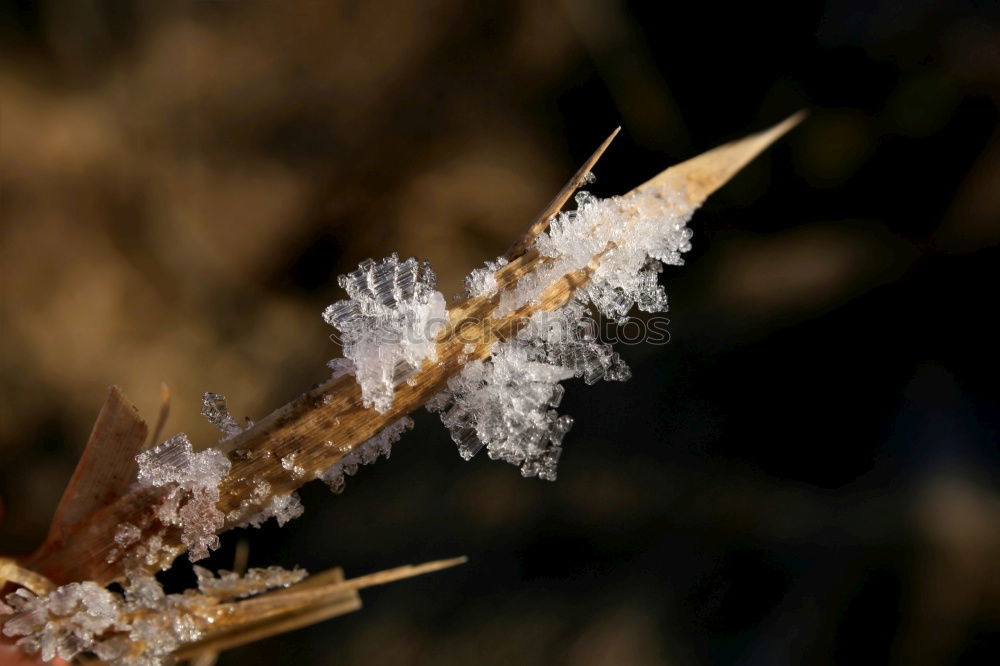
x: 63, y: 623
x: 289, y: 464
x: 340, y: 367
x: 213, y: 408
x: 141, y: 627
x: 282, y: 508
x: 482, y: 282
x: 389, y: 324
x: 126, y: 535
x: 230, y: 585
x: 633, y: 235
x: 568, y: 338
x: 193, y: 479
x: 506, y: 402
x: 365, y: 453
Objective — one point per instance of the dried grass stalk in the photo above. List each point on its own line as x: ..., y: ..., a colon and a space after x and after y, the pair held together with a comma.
x: 328, y: 421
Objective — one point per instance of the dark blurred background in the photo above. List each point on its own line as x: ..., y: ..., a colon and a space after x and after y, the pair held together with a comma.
x: 807, y: 474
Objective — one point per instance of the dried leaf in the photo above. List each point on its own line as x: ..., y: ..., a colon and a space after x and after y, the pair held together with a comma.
x: 107, y: 467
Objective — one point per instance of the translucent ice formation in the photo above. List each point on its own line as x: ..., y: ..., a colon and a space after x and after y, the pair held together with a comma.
x: 230, y: 585
x: 193, y: 479
x: 141, y: 627
x: 505, y: 403
x: 340, y: 367
x: 482, y: 282
x: 631, y: 236
x: 389, y: 324
x: 567, y: 338
x: 213, y: 408
x: 64, y: 622
x: 365, y: 453
x: 282, y: 508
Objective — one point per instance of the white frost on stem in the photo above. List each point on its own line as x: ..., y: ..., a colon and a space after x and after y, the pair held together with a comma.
x: 141, y: 627
x: 506, y: 402
x: 365, y: 454
x: 389, y: 324
x: 193, y: 479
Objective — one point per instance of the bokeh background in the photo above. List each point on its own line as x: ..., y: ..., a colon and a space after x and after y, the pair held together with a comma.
x: 806, y: 474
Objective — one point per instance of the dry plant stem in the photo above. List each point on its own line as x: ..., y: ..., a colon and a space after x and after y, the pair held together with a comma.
x: 161, y: 420
x: 557, y: 203
x: 230, y: 637
x: 11, y: 572
x: 316, y: 598
x: 327, y: 422
x: 280, y: 601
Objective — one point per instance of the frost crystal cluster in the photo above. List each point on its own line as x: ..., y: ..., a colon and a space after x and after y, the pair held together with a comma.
x: 389, y: 324
x: 213, y: 408
x: 231, y: 585
x: 282, y: 508
x: 63, y: 623
x: 365, y: 453
x: 482, y: 282
x: 193, y: 479
x: 141, y: 627
x: 507, y: 402
x: 631, y: 235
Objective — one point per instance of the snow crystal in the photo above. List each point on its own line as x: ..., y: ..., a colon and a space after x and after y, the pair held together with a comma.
x: 230, y: 585
x: 438, y: 401
x: 153, y: 552
x: 64, y: 622
x: 159, y: 624
x: 127, y: 534
x: 365, y: 453
x: 288, y: 464
x: 282, y: 508
x: 194, y: 490
x: 141, y: 627
x: 633, y: 235
x: 389, y: 324
x: 482, y: 282
x: 213, y: 408
x: 340, y: 367
x: 505, y: 403
x: 567, y: 338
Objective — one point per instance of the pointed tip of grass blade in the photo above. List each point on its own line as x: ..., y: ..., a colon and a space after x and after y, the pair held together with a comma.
x: 406, y: 571
x: 542, y: 221
x: 161, y: 421
x: 702, y: 175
